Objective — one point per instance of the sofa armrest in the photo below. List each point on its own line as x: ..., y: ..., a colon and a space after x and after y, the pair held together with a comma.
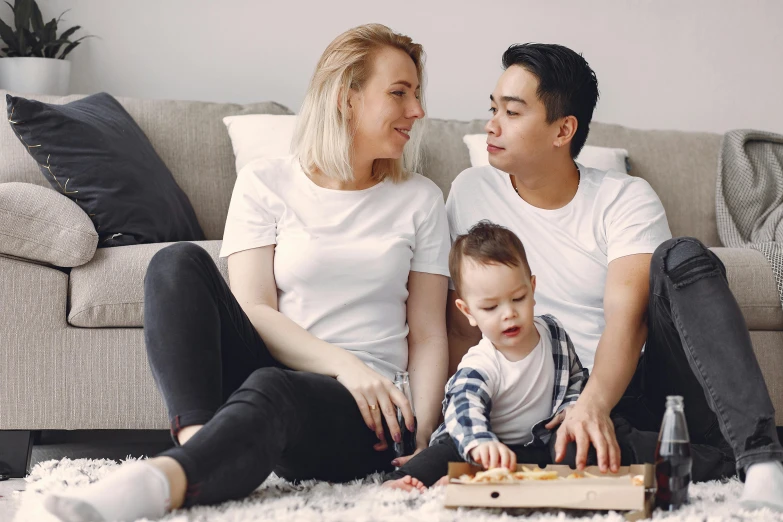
x: 41, y: 225
x: 32, y: 297
x: 753, y: 284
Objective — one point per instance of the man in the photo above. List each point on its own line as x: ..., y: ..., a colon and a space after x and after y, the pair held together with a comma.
x: 612, y: 274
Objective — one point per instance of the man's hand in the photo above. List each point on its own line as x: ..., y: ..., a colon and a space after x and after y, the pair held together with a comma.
x: 494, y: 455
x: 558, y: 419
x: 586, y: 424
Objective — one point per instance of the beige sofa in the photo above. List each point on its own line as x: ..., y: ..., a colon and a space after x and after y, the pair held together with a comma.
x: 71, y: 340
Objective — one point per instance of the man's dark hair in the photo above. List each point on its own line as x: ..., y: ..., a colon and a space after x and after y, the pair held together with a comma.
x: 567, y: 86
x: 486, y: 243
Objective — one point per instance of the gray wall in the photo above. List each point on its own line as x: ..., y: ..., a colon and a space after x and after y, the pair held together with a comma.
x: 707, y: 65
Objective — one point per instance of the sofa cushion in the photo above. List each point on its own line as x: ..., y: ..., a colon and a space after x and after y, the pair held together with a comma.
x: 753, y: 284
x: 188, y: 136
x: 191, y: 139
x: 682, y: 167
x: 109, y: 291
x: 43, y: 226
x: 601, y: 158
x: 443, y: 154
x: 258, y: 136
x: 92, y: 151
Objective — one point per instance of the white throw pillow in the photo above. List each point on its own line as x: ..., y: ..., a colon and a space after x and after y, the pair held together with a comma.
x: 602, y: 158
x: 255, y: 136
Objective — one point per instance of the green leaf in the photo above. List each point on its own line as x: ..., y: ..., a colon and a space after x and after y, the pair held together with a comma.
x: 69, y: 32
x: 61, y: 15
x: 51, y: 49
x: 37, y: 18
x: 50, y: 31
x: 73, y: 45
x: 60, y: 41
x: 70, y: 48
x: 8, y: 36
x: 23, y: 13
x: 36, y: 48
x: 24, y: 49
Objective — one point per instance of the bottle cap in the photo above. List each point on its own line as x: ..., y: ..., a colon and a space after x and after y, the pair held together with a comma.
x: 674, y: 401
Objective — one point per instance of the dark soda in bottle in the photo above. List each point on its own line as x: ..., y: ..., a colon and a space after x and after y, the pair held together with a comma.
x: 673, y: 457
x: 408, y: 443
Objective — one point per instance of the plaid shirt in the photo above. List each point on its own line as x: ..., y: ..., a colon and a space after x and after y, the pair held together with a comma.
x: 468, y: 398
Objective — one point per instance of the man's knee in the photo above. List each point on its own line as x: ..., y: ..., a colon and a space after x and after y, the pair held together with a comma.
x: 684, y: 260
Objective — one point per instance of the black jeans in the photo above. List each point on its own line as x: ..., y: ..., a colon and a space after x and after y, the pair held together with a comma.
x: 212, y: 368
x: 698, y: 346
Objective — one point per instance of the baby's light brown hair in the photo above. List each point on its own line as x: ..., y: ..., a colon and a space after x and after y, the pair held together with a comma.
x: 486, y: 243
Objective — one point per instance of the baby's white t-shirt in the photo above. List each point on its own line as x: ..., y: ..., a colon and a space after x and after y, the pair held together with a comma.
x: 521, y: 391
x: 569, y: 249
x: 342, y: 258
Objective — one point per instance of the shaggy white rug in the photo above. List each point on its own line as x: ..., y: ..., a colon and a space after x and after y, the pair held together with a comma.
x: 365, y: 501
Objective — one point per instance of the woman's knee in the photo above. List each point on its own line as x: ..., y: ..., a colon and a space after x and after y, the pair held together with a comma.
x: 176, y: 261
x: 268, y: 385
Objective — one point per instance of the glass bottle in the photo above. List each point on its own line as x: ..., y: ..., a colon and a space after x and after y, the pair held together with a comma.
x: 408, y: 443
x: 673, y: 457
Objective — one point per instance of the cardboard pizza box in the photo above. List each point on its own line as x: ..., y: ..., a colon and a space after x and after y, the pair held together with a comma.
x: 608, y: 491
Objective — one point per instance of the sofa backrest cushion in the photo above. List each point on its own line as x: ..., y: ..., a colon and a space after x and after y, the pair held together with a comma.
x: 680, y: 166
x: 92, y: 151
x: 191, y: 139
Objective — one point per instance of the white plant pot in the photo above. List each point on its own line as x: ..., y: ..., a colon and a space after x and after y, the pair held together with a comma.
x: 31, y: 75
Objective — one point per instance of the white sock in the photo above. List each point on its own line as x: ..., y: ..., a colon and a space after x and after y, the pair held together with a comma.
x: 137, y: 490
x: 763, y: 486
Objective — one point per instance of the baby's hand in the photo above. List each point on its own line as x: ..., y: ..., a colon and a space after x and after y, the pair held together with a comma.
x: 494, y: 455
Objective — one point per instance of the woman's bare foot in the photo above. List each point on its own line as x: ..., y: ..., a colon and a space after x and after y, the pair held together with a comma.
x: 406, y: 483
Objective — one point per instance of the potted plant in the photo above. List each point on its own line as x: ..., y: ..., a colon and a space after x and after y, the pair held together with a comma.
x: 34, y: 56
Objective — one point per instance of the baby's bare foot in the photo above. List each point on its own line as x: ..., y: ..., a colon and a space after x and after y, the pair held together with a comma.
x: 406, y: 483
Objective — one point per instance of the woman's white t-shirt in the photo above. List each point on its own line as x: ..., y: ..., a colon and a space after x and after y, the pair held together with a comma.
x: 569, y: 249
x: 342, y: 258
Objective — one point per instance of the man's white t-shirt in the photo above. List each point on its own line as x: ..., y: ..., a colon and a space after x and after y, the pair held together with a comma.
x: 342, y: 258
x: 569, y: 249
x: 521, y: 391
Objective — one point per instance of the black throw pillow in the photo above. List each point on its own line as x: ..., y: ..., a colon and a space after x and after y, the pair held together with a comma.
x: 92, y: 151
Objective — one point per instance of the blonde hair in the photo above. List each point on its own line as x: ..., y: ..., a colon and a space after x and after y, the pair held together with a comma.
x: 323, y: 139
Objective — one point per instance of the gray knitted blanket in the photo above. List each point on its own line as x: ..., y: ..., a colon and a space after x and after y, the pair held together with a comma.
x: 749, y: 199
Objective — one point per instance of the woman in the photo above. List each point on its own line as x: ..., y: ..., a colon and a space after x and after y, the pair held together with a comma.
x: 337, y: 260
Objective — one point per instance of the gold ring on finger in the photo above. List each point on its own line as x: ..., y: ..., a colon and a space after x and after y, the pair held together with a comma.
x: 373, y: 407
